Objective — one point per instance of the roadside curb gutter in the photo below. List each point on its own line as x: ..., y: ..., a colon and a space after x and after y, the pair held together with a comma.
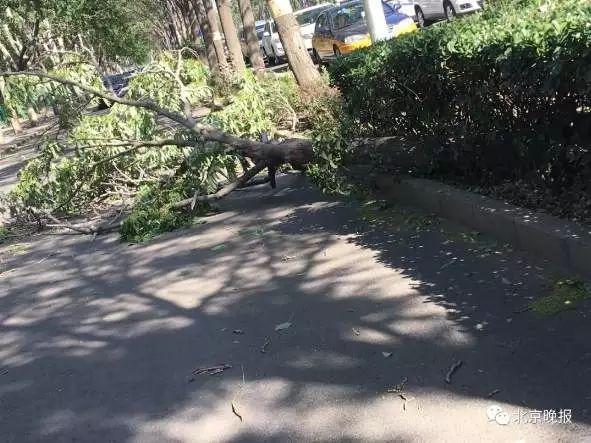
x: 565, y: 243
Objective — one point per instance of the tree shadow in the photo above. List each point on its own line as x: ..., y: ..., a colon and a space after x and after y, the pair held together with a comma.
x: 99, y: 338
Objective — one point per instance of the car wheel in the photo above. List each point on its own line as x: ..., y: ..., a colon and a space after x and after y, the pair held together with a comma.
x: 337, y: 51
x: 450, y: 12
x: 421, y: 18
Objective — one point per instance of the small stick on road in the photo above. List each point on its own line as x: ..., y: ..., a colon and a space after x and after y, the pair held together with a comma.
x: 451, y: 371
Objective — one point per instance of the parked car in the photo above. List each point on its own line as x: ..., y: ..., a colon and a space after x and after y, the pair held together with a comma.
x: 343, y: 29
x: 404, y: 6
x: 306, y: 18
x: 433, y: 10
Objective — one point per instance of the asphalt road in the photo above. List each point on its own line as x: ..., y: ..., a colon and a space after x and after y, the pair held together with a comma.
x: 334, y: 330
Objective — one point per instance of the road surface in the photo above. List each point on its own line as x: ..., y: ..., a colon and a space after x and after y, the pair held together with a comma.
x: 334, y: 329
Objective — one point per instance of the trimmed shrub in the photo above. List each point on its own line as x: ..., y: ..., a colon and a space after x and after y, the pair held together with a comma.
x: 504, y: 95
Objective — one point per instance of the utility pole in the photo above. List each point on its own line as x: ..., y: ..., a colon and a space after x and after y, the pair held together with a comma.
x: 376, y: 20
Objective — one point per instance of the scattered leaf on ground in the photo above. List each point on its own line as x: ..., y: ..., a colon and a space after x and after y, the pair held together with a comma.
x: 565, y: 294
x: 210, y: 370
x: 282, y: 326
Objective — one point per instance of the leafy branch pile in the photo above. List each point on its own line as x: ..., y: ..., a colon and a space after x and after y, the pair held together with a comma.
x: 131, y: 154
x: 499, y: 100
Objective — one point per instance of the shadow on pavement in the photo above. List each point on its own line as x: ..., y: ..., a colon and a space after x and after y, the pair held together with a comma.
x: 98, y: 339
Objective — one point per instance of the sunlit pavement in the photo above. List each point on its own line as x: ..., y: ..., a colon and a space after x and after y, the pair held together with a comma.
x: 334, y: 330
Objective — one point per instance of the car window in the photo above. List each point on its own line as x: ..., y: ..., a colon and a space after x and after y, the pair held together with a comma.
x: 309, y: 17
x: 322, y: 26
x: 347, y: 15
x: 388, y: 9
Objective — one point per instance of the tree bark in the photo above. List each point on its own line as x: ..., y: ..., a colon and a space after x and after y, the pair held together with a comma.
x: 216, y: 36
x: 297, y: 55
x: 212, y: 58
x: 252, y: 41
x: 231, y: 35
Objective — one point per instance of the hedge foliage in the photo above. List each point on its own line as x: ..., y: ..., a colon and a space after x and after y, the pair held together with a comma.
x: 504, y: 95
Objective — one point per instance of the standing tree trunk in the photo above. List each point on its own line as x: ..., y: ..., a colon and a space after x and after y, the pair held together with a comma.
x: 289, y: 32
x: 231, y: 35
x: 33, y: 117
x: 218, y: 44
x: 212, y: 58
x: 252, y: 41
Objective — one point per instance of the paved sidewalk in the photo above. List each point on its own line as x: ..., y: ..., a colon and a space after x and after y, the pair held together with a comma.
x: 98, y: 339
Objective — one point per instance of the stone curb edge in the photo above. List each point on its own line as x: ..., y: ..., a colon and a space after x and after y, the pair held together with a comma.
x: 565, y: 243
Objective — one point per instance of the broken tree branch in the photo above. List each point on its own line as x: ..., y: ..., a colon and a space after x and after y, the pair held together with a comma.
x: 295, y: 151
x: 258, y: 167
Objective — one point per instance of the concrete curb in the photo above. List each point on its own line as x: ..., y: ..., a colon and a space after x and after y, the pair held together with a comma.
x: 565, y: 243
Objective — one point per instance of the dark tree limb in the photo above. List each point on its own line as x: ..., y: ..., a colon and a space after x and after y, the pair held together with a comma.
x: 258, y: 167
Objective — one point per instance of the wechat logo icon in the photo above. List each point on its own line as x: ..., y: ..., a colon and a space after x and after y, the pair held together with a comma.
x: 496, y: 413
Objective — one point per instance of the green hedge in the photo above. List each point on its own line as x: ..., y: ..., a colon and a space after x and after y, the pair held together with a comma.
x: 501, y: 95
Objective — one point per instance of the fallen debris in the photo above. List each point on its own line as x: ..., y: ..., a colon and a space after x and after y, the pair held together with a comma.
x: 356, y: 331
x: 211, y: 370
x: 235, y: 411
x: 492, y: 393
x: 405, y: 399
x: 238, y: 331
x: 264, y: 347
x: 282, y: 326
x: 522, y: 310
x: 387, y: 354
x: 454, y: 367
x: 397, y: 389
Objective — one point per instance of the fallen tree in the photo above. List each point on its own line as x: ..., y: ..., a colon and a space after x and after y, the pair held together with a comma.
x: 295, y: 151
x: 116, y: 155
x: 152, y: 154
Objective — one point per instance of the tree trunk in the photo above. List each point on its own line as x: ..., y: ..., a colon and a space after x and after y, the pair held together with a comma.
x: 252, y: 41
x: 216, y: 36
x: 33, y: 117
x: 212, y: 58
x: 16, y: 125
x: 289, y: 32
x: 231, y: 35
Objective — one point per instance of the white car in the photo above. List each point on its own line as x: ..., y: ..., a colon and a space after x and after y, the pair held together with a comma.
x: 407, y: 7
x: 272, y: 47
x: 433, y: 10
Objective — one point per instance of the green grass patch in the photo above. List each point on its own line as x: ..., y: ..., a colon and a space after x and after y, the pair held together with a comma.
x: 565, y: 295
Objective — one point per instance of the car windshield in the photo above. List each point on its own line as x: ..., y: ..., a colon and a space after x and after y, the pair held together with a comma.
x: 353, y: 13
x: 309, y: 17
x: 347, y: 15
x: 260, y: 32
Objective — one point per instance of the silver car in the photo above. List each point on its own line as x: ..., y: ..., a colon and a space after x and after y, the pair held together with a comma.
x: 432, y: 10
